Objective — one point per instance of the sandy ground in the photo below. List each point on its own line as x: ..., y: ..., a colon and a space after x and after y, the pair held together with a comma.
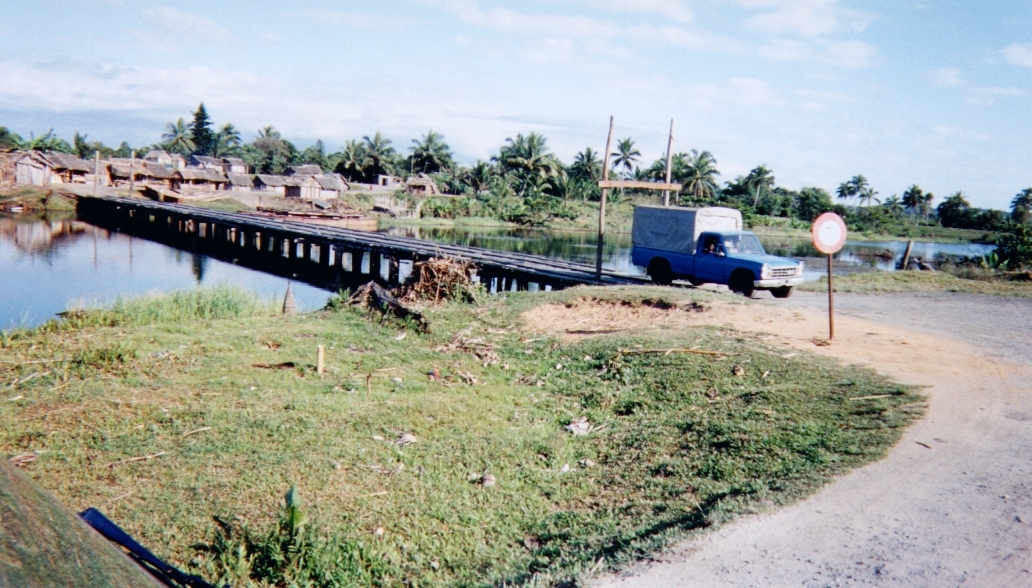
x: 951, y: 505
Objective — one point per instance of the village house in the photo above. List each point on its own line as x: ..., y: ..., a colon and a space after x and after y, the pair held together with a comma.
x: 304, y: 187
x: 35, y: 168
x: 234, y: 165
x: 203, y: 178
x: 205, y: 162
x: 162, y: 157
x: 303, y: 170
x: 423, y: 185
x: 331, y: 186
x: 239, y: 182
x: 7, y: 173
x: 388, y: 181
x: 270, y: 183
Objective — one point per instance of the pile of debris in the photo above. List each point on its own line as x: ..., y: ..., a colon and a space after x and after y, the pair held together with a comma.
x: 440, y: 277
x: 375, y: 297
x: 480, y: 348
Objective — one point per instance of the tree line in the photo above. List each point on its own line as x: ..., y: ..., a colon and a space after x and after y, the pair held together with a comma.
x: 526, y: 182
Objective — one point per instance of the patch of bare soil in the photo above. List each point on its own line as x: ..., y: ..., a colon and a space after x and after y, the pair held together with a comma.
x: 950, y: 505
x: 586, y: 317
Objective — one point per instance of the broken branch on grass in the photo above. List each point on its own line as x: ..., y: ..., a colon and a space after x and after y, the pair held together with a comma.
x: 133, y: 459
x: 673, y: 350
x: 876, y: 396
x: 202, y: 429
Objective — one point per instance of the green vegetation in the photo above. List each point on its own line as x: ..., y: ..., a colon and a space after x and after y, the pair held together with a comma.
x: 185, y: 418
x: 35, y: 199
x: 957, y: 279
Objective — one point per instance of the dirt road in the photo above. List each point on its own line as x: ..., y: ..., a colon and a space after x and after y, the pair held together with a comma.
x: 951, y: 505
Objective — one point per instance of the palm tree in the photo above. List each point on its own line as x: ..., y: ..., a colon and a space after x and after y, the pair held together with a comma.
x: 698, y: 173
x: 867, y: 194
x: 528, y: 160
x: 352, y: 154
x: 479, y: 176
x: 626, y: 155
x: 177, y: 138
x: 760, y: 179
x: 269, y: 132
x: 47, y: 143
x: 379, y: 156
x: 430, y: 154
x: 854, y: 188
x: 226, y: 141
x: 894, y: 205
x: 1021, y: 206
x: 587, y: 165
x: 913, y: 198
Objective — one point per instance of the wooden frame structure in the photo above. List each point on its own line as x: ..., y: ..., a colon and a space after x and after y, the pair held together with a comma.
x: 605, y: 184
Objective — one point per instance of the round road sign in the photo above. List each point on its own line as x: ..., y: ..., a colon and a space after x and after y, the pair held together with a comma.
x: 829, y: 233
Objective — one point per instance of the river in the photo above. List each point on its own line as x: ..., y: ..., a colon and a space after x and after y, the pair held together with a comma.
x: 48, y: 266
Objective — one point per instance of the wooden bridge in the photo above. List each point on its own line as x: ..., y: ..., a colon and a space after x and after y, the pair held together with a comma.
x: 324, y: 256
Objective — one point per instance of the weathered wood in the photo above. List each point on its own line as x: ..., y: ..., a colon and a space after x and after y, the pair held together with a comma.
x: 602, y: 203
x: 628, y: 184
x: 906, y: 255
x: 669, y: 160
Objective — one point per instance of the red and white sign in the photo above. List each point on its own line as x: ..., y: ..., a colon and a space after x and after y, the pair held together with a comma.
x: 829, y: 233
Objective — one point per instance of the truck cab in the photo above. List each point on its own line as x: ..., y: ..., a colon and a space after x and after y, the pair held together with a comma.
x: 707, y: 245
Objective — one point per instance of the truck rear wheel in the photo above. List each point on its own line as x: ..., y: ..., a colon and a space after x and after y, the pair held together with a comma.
x: 741, y: 282
x: 783, y: 292
x: 660, y: 272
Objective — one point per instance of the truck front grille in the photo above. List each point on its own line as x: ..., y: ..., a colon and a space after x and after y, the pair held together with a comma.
x: 783, y: 272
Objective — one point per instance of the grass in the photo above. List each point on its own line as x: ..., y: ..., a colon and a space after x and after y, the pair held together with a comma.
x: 224, y: 205
x: 154, y: 412
x: 996, y: 284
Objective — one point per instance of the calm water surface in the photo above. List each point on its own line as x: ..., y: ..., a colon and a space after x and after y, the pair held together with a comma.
x: 48, y: 266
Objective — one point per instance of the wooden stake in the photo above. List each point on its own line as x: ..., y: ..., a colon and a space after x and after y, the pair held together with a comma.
x: 669, y: 155
x: 320, y: 356
x: 831, y: 304
x: 906, y: 255
x: 132, y: 180
x: 96, y: 171
x: 602, y: 203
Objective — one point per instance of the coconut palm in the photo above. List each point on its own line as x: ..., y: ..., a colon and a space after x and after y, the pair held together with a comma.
x: 479, y: 177
x: 269, y: 132
x: 760, y: 179
x: 379, y: 156
x: 867, y: 194
x: 430, y: 154
x: 177, y: 137
x: 226, y: 141
x: 528, y: 161
x: 856, y: 187
x: 697, y: 173
x: 586, y: 165
x: 626, y: 155
x: 913, y: 198
x: 894, y: 205
x: 352, y: 154
x: 1021, y: 206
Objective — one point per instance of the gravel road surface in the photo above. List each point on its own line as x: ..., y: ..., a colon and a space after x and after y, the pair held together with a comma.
x: 951, y: 505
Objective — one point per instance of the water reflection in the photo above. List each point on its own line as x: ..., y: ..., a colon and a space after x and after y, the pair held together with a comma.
x: 48, y: 264
x: 580, y: 246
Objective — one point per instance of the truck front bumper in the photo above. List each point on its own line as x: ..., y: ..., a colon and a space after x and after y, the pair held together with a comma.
x: 777, y: 283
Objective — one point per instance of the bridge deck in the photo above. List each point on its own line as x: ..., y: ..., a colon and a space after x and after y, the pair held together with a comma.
x: 276, y: 245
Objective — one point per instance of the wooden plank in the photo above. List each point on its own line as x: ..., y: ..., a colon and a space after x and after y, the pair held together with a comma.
x: 639, y: 185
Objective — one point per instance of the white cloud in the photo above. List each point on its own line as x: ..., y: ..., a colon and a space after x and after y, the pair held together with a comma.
x: 850, y: 54
x: 564, y: 25
x: 1018, y: 54
x: 988, y: 96
x: 171, y: 26
x: 947, y: 77
x: 785, y: 50
x: 360, y: 20
x: 808, y: 18
x: 674, y: 10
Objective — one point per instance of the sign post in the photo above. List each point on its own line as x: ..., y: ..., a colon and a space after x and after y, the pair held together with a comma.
x: 829, y: 235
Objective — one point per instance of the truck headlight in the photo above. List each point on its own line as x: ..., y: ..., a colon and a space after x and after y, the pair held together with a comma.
x: 799, y: 270
x: 765, y: 272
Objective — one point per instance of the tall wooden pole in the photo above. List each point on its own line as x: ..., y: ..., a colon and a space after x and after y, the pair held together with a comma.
x: 132, y: 179
x: 669, y: 155
x: 831, y: 304
x: 602, y: 203
x: 96, y: 171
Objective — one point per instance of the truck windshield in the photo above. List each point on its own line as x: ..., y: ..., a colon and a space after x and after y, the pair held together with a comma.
x: 745, y: 244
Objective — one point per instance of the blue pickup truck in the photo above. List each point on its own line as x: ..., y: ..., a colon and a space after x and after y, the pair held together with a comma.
x: 703, y: 245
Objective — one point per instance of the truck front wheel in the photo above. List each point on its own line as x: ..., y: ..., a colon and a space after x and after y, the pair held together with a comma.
x: 741, y: 282
x: 783, y: 292
x: 660, y: 272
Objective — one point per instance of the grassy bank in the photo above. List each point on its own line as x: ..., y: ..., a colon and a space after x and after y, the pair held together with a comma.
x: 168, y: 412
x: 992, y: 283
x: 32, y: 199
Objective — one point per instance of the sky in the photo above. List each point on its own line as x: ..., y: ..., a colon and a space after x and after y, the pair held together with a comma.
x: 937, y: 93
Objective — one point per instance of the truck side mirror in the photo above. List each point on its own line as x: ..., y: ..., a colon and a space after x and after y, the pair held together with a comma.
x: 720, y: 253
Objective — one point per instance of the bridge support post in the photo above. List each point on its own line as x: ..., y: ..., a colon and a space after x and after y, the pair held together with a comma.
x: 393, y: 271
x: 374, y: 265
